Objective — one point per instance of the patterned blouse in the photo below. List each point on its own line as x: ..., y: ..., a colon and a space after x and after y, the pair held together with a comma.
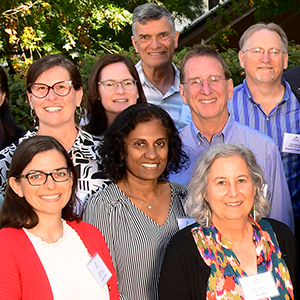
x: 217, y: 253
x: 84, y: 154
x: 137, y: 244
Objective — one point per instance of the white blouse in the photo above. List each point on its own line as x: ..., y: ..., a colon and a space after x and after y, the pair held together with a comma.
x: 65, y: 263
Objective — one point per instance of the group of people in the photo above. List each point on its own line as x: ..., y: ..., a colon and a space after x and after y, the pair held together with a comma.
x: 94, y: 201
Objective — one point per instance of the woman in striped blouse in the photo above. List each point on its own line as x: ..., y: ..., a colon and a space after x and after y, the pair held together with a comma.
x: 138, y: 212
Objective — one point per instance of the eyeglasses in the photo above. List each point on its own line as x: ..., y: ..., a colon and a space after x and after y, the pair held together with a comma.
x: 37, y: 178
x: 259, y: 52
x: 41, y: 90
x: 112, y: 85
x: 213, y: 81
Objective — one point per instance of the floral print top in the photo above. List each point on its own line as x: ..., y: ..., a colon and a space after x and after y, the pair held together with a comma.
x: 217, y: 253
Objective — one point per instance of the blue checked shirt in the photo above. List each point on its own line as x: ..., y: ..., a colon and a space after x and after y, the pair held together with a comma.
x: 170, y: 102
x: 285, y: 117
x: 266, y: 153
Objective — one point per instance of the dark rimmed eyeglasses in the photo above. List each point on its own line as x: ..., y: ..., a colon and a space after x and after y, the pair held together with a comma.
x: 41, y: 90
x: 37, y: 178
x: 111, y: 85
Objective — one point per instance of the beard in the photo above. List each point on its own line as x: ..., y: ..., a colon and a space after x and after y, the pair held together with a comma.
x: 265, y: 78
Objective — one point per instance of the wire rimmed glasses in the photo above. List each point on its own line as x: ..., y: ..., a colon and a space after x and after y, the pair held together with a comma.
x: 212, y: 81
x: 259, y: 52
x: 37, y: 178
x: 112, y: 85
x: 41, y: 90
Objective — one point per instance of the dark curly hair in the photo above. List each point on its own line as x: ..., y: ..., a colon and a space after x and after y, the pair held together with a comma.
x: 15, y: 211
x: 113, y: 149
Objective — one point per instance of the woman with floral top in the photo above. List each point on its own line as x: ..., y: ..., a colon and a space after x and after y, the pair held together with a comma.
x: 231, y: 252
x: 54, y: 90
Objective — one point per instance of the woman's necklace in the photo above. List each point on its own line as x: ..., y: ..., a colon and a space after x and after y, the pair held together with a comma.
x: 148, y: 205
x: 43, y: 237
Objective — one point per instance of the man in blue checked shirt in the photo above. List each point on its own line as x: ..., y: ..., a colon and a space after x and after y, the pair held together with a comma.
x: 265, y: 101
x: 206, y: 87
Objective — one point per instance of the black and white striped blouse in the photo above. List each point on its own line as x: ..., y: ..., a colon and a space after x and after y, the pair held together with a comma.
x: 137, y: 244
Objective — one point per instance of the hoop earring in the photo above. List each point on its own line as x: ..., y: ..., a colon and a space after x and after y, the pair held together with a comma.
x: 254, y: 213
x: 207, y: 218
x: 33, y: 116
x: 79, y: 111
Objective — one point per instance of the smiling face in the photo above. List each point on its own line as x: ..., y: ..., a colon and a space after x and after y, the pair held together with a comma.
x: 264, y: 69
x: 51, y: 197
x: 206, y: 102
x: 230, y: 190
x: 146, y: 151
x: 54, y: 110
x: 155, y: 43
x: 116, y: 101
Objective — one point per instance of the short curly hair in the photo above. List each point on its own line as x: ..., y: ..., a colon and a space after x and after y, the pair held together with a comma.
x: 113, y: 149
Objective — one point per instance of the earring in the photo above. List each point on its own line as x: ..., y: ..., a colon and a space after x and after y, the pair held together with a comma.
x: 80, y: 112
x: 254, y: 213
x: 33, y: 116
x: 207, y: 218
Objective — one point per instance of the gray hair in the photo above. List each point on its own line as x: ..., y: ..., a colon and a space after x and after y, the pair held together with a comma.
x: 269, y: 26
x: 148, y: 12
x: 196, y: 206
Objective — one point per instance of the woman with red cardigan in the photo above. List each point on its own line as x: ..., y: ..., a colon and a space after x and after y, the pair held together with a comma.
x: 46, y: 251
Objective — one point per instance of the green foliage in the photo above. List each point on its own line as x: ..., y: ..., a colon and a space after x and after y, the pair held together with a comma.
x: 19, y: 103
x: 236, y: 71
x: 73, y: 27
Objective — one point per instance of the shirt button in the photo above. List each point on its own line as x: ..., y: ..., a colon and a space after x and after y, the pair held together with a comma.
x: 267, y: 119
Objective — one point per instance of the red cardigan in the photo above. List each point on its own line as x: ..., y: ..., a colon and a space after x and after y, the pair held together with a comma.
x: 22, y: 275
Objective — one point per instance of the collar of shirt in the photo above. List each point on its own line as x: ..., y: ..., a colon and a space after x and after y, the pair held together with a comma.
x: 85, y: 143
x: 145, y: 81
x: 222, y: 137
x: 286, y: 96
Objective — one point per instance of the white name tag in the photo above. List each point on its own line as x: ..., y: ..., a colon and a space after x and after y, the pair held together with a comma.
x: 183, y: 222
x: 99, y: 270
x: 291, y: 143
x: 259, y: 286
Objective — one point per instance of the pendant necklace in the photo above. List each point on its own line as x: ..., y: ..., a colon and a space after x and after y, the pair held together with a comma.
x: 148, y: 205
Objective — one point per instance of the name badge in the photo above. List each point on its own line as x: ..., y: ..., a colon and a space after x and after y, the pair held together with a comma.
x: 99, y: 270
x: 291, y: 143
x: 259, y: 286
x: 183, y: 222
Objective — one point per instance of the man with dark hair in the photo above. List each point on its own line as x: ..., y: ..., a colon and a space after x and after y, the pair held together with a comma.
x: 206, y: 87
x: 265, y: 101
x: 155, y: 39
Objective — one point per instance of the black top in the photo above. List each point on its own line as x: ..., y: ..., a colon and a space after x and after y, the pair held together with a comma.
x: 292, y: 76
x: 184, y: 274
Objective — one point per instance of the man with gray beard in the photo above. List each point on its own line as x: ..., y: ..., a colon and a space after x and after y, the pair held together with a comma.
x: 265, y: 101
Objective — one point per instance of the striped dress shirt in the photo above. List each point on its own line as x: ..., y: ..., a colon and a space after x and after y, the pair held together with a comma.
x: 285, y: 117
x: 137, y: 244
x: 171, y: 101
